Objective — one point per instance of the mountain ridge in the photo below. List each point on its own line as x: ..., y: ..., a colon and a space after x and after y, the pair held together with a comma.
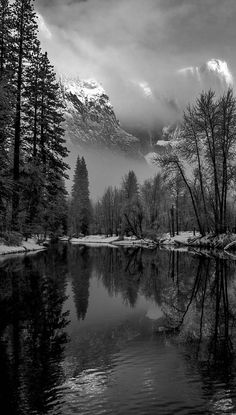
x: 90, y: 119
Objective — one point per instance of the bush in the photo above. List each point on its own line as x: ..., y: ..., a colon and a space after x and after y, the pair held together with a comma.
x: 11, y: 238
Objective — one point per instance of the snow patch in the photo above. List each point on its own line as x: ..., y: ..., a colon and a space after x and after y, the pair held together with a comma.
x: 28, y: 246
x: 88, y: 90
x: 163, y: 143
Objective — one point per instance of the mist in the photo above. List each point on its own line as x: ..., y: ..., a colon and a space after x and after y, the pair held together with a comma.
x: 106, y: 169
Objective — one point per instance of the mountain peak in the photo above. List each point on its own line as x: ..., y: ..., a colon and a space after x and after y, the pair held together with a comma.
x: 86, y: 90
x: 91, y: 120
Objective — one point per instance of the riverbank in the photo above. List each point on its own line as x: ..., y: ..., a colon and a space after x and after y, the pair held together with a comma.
x: 113, y: 241
x: 225, y: 241
x: 27, y: 246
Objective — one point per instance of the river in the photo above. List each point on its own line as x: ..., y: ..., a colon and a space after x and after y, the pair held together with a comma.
x: 117, y: 331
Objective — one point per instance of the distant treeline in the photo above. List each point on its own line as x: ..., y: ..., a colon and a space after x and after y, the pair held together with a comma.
x: 142, y: 210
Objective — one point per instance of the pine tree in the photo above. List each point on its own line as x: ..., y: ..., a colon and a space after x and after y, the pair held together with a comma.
x: 6, y: 100
x: 5, y: 37
x: 25, y: 35
x: 80, y: 211
x: 132, y: 211
x: 44, y: 139
x: 5, y: 182
x: 130, y: 185
x: 31, y: 119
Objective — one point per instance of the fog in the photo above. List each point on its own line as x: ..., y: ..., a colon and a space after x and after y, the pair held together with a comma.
x: 106, y: 169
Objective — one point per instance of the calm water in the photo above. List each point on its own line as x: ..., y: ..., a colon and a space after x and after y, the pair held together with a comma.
x: 112, y: 331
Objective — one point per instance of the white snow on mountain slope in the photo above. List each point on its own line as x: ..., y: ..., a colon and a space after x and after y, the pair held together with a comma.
x: 91, y: 120
x: 87, y: 90
x: 213, y: 69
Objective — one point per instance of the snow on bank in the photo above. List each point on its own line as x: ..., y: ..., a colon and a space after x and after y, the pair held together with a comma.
x: 94, y: 240
x: 102, y: 240
x: 129, y: 242
x: 226, y: 241
x: 181, y: 239
x: 29, y: 246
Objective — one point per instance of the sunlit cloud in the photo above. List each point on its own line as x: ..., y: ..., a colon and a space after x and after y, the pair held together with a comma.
x: 43, y: 28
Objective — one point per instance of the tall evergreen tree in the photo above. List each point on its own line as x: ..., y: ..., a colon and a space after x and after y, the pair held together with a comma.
x: 6, y: 101
x: 132, y: 211
x: 24, y: 38
x: 32, y: 143
x: 5, y: 37
x: 80, y: 211
x: 45, y: 138
x: 130, y: 185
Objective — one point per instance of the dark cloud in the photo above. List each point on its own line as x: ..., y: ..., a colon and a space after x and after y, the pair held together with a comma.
x: 126, y: 42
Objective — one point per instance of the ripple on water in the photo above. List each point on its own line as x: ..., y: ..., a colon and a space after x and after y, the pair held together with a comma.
x: 143, y: 378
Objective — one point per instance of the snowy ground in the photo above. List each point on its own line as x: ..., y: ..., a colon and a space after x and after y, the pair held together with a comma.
x: 181, y: 239
x: 101, y: 240
x: 94, y: 240
x: 29, y: 246
x: 225, y: 241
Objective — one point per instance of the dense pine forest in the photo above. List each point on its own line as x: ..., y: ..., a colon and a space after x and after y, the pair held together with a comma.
x: 32, y: 144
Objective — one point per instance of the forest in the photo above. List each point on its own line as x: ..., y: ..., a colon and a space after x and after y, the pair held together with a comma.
x: 32, y: 143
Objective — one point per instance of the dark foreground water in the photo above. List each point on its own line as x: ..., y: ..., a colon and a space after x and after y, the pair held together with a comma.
x: 112, y: 331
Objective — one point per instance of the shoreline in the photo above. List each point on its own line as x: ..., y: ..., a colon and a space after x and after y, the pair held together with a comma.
x: 112, y: 241
x: 26, y: 247
x: 223, y: 242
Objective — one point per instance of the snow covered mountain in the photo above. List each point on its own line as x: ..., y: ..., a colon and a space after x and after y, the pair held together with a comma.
x: 91, y: 121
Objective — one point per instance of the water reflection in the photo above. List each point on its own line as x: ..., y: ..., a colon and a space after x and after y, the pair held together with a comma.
x: 150, y: 332
x: 80, y: 266
x: 32, y: 332
x: 195, y: 292
x: 202, y: 309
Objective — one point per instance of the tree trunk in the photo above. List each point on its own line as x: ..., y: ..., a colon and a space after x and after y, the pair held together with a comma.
x: 16, y: 162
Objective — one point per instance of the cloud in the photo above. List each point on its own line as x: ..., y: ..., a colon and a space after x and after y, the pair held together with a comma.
x: 128, y: 43
x: 44, y: 30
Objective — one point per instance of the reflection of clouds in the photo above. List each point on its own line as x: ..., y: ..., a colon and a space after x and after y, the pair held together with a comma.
x: 222, y: 403
x: 89, y: 382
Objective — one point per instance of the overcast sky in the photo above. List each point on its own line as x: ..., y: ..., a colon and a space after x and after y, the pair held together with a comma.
x: 122, y: 43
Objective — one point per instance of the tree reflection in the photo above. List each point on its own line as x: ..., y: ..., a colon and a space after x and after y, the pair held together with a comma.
x: 196, y: 293
x: 204, y: 312
x: 32, y: 332
x: 80, y: 266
